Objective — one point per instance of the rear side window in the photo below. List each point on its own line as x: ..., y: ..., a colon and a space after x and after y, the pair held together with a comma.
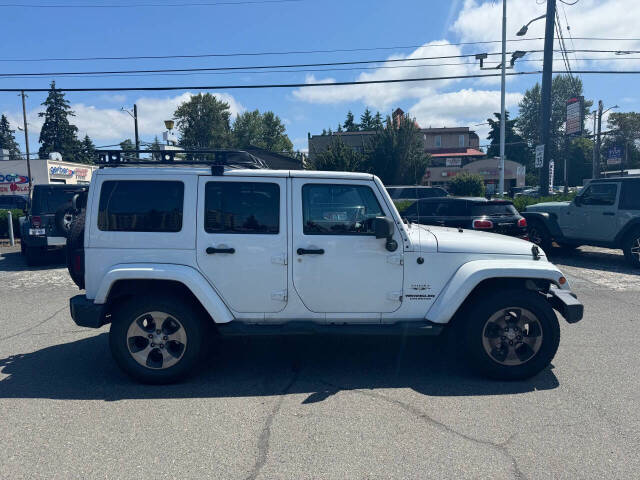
x: 600, y: 194
x: 479, y: 209
x: 141, y: 206
x: 451, y: 209
x: 425, y: 209
x: 431, y: 192
x: 339, y: 209
x: 630, y: 196
x: 242, y: 207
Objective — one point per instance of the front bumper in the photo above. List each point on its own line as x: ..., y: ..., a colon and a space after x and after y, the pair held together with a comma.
x: 566, y: 303
x: 86, y: 313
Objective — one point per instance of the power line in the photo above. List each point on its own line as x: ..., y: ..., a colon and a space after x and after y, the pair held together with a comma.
x: 304, y: 85
x: 254, y: 54
x: 254, y: 67
x: 136, y: 5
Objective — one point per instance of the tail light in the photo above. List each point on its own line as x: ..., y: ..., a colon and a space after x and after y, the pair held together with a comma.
x: 522, y: 222
x: 36, y: 221
x: 482, y: 224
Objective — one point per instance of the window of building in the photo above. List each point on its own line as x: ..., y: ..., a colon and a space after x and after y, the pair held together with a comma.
x: 461, y: 141
x: 141, y: 206
x: 437, y: 141
x: 339, y: 209
x: 242, y: 207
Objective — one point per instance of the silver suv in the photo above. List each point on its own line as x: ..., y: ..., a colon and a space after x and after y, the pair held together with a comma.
x: 605, y: 214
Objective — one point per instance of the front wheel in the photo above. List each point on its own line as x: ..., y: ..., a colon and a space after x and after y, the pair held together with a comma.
x: 631, y: 248
x: 157, y: 339
x: 539, y: 234
x: 511, y: 335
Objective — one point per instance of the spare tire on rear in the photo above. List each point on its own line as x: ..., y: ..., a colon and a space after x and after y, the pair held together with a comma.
x: 75, y: 250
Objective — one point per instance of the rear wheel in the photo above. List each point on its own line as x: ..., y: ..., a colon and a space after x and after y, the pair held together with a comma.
x: 511, y: 335
x: 157, y: 339
x: 631, y: 248
x: 75, y: 250
x: 539, y: 234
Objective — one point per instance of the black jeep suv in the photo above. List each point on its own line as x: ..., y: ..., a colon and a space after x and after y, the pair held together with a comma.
x: 48, y: 221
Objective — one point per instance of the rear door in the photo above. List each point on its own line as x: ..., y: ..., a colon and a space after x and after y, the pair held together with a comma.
x: 242, y: 240
x: 339, y: 265
x: 596, y: 214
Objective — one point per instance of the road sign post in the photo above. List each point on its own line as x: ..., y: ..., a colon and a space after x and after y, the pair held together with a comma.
x: 539, y: 156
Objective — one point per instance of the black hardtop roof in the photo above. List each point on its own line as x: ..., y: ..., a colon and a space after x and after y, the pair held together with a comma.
x: 615, y: 179
x: 69, y: 186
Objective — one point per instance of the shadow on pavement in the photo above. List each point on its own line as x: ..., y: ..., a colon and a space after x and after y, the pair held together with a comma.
x: 318, y: 366
x: 601, y: 259
x: 13, y: 261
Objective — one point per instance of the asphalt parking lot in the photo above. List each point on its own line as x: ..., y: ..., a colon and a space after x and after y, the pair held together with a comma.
x: 318, y: 407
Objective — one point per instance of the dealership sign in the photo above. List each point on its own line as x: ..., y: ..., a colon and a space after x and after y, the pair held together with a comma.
x: 61, y: 171
x: 575, y: 111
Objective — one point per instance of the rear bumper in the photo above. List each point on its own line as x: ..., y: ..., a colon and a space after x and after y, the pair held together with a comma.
x: 86, y: 313
x: 566, y: 303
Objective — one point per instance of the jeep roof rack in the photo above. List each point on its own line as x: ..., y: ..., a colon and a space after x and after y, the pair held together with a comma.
x: 217, y: 159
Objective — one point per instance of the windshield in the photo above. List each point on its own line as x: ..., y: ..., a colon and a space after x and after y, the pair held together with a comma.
x: 50, y: 200
x: 493, y: 209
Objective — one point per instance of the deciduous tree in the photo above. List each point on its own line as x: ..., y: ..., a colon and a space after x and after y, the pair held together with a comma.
x: 203, y: 122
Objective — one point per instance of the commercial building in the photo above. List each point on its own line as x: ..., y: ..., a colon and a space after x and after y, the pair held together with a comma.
x: 14, y: 179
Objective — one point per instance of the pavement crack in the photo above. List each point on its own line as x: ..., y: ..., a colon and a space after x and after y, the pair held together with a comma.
x: 21, y: 332
x: 500, y: 447
x: 265, y: 435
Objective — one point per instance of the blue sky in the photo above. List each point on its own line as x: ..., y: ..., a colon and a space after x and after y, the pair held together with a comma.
x: 300, y: 25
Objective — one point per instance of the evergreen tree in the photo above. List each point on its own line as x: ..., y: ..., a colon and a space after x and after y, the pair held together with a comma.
x: 515, y: 149
x: 87, y: 151
x: 396, y: 153
x: 377, y: 121
x: 339, y: 130
x: 367, y: 122
x: 338, y: 157
x: 349, y: 123
x: 57, y: 134
x: 155, y: 145
x: 8, y: 140
x: 127, y: 145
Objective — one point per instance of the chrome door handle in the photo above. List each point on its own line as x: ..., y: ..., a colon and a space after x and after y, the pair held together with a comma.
x: 211, y: 250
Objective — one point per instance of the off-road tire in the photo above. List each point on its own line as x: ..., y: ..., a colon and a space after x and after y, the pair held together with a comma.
x: 539, y: 234
x: 473, y: 328
x: 75, y: 246
x: 188, y: 316
x: 630, y: 244
x: 61, y: 224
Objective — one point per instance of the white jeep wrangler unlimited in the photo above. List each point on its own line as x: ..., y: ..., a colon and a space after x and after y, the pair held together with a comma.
x: 172, y: 255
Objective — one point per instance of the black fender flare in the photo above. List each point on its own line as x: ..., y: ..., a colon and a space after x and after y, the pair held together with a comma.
x: 549, y: 220
x: 632, y: 224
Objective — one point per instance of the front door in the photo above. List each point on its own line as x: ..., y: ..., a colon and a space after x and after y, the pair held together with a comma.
x: 599, y: 203
x: 339, y: 265
x: 242, y: 240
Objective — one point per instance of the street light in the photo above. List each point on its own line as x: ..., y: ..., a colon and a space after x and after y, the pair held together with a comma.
x: 523, y: 30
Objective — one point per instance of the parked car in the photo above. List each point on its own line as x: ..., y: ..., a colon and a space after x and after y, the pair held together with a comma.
x: 412, y: 192
x: 171, y: 255
x: 48, y: 220
x: 13, y: 202
x: 606, y: 213
x: 496, y: 216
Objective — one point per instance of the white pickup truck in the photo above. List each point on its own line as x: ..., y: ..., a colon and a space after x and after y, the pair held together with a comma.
x: 172, y: 255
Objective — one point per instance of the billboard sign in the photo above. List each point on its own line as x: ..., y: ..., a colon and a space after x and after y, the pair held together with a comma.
x: 614, y: 155
x: 575, y: 111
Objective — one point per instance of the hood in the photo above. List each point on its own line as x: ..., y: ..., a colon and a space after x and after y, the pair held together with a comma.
x: 547, y: 206
x: 452, y: 240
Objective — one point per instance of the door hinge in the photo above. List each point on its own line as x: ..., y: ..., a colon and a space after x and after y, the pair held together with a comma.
x: 394, y: 296
x: 279, y: 259
x: 395, y: 259
x: 279, y: 295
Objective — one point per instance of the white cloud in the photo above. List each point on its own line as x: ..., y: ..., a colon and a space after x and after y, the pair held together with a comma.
x: 383, y: 96
x: 112, y: 124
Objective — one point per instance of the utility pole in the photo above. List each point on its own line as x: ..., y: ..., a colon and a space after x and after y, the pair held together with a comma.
x: 26, y: 138
x: 502, y: 95
x: 594, y: 164
x: 135, y: 122
x: 598, y: 144
x: 547, y: 70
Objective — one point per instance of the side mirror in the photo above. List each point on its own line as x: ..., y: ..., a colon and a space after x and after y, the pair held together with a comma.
x: 383, y: 227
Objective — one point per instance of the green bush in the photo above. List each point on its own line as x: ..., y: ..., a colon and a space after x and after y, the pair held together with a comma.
x: 402, y: 205
x: 467, y: 185
x: 521, y: 202
x: 4, y: 224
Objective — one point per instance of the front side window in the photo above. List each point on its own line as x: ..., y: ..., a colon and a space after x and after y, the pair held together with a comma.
x: 600, y: 194
x: 242, y: 207
x: 141, y: 206
x: 339, y: 209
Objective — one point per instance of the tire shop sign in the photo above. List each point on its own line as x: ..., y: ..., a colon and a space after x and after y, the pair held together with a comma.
x: 13, y: 183
x: 60, y: 171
